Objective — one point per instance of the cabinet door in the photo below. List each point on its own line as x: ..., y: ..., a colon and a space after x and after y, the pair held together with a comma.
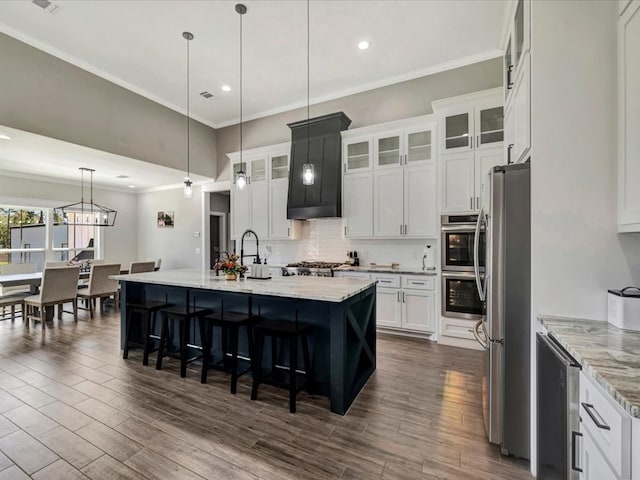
x: 509, y: 135
x: 489, y: 126
x: 629, y: 119
x: 388, y: 309
x: 521, y: 108
x: 357, y: 155
x: 279, y: 167
x: 388, y: 203
x: 485, y: 161
x: 508, y: 70
x: 458, y: 131
x: 388, y: 151
x: 259, y: 197
x: 594, y: 466
x: 279, y: 225
x: 458, y: 182
x: 418, y: 310
x: 417, y: 146
x: 240, y: 211
x: 521, y: 33
x: 357, y: 204
x: 420, y: 200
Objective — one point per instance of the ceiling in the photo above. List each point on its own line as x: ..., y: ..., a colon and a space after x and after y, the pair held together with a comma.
x: 37, y: 157
x: 138, y: 44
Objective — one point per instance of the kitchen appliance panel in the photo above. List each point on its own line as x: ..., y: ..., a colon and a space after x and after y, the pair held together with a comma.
x: 460, y: 297
x: 458, y: 233
x: 492, y: 388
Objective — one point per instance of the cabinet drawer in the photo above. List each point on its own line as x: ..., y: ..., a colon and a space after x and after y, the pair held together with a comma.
x: 418, y: 282
x: 458, y: 328
x: 354, y: 275
x: 390, y: 281
x: 607, y: 423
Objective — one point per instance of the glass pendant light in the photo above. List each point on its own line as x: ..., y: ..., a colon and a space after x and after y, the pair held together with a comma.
x: 241, y: 176
x: 188, y: 190
x: 308, y: 169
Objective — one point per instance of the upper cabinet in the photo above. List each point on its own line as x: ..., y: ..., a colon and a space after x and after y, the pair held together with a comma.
x: 629, y: 118
x: 471, y: 143
x: 389, y: 182
x: 471, y: 123
x: 262, y: 204
x: 517, y: 44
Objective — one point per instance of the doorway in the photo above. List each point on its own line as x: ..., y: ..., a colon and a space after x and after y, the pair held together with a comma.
x: 217, y: 235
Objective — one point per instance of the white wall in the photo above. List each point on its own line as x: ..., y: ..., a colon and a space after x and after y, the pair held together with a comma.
x: 576, y: 253
x: 119, y: 241
x: 175, y: 246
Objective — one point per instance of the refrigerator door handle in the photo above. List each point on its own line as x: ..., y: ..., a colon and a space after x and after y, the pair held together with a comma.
x: 476, y: 256
x: 481, y: 337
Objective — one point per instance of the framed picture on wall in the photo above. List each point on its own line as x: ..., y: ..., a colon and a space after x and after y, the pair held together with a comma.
x: 165, y: 219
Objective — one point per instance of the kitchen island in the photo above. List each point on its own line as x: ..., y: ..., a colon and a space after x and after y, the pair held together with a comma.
x: 341, y: 311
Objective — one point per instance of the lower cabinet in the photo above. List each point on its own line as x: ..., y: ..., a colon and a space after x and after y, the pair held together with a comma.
x: 594, y: 465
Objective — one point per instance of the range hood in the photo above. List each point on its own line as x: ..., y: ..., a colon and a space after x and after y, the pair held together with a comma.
x: 324, y: 197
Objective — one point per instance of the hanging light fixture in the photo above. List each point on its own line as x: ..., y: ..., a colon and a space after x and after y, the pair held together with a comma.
x: 241, y: 176
x: 188, y: 190
x: 83, y: 213
x: 308, y: 169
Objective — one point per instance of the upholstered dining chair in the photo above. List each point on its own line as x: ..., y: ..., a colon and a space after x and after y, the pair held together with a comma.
x: 15, y: 269
x: 100, y: 286
x: 59, y: 286
x: 141, y: 267
x: 56, y: 264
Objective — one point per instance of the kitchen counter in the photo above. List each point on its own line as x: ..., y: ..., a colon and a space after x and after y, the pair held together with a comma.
x: 340, y: 312
x: 398, y: 270
x: 304, y: 287
x: 610, y: 355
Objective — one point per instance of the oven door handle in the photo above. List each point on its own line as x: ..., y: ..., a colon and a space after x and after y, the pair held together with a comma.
x: 465, y: 227
x: 476, y: 257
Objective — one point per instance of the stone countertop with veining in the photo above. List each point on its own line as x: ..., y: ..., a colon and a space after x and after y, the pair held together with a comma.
x: 398, y: 270
x: 324, y: 289
x: 610, y: 355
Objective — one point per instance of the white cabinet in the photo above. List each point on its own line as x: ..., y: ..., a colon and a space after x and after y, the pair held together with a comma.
x: 404, y: 184
x: 390, y: 180
x: 517, y: 125
x: 517, y: 45
x: 463, y: 178
x: 262, y: 204
x: 406, y: 302
x: 629, y: 119
x: 594, y: 466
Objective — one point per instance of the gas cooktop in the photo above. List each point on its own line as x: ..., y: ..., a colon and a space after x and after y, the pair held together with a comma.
x: 314, y: 265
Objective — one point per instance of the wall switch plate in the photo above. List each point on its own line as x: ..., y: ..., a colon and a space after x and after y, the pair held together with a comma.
x: 197, y: 250
x: 196, y: 234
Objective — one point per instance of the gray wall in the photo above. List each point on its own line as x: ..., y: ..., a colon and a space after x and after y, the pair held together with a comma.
x: 42, y: 94
x: 394, y: 102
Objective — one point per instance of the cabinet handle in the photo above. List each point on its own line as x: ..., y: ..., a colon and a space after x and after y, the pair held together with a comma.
x: 400, y: 229
x: 417, y: 283
x: 384, y: 281
x: 405, y: 229
x: 405, y: 159
x: 592, y: 412
x: 403, y: 297
x: 574, y: 443
x: 477, y: 141
x: 471, y: 139
x: 509, y: 148
x: 477, y: 203
x: 509, y: 82
x: 471, y: 203
x: 345, y: 230
x: 400, y: 160
x: 398, y: 296
x: 345, y: 168
x: 288, y: 231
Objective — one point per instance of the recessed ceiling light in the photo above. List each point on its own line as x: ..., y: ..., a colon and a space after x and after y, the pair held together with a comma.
x: 132, y: 186
x: 363, y: 45
x: 226, y: 88
x: 122, y: 176
x: 4, y: 137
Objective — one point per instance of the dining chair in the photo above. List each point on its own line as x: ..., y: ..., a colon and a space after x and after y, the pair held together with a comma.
x: 59, y: 286
x: 141, y: 267
x: 56, y: 264
x: 15, y: 269
x: 100, y: 286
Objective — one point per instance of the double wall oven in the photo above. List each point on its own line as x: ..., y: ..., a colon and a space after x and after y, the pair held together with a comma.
x: 460, y: 252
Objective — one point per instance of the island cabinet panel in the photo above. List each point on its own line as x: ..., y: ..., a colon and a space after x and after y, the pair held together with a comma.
x: 343, y: 335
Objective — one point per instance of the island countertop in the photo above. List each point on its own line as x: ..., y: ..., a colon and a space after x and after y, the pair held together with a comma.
x: 610, y: 355
x: 325, y: 289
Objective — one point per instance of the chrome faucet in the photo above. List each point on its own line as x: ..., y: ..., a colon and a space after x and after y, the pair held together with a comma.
x: 242, y: 255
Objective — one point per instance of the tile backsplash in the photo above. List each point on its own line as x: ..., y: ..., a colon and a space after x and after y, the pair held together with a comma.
x: 321, y: 240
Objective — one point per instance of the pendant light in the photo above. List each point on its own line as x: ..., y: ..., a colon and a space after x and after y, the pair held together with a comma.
x: 308, y: 169
x: 241, y: 176
x: 83, y: 213
x: 188, y: 190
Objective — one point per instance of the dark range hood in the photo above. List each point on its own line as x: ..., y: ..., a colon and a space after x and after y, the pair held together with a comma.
x: 324, y: 197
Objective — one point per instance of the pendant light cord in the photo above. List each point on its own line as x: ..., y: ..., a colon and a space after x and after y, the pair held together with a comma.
x: 188, y: 117
x: 241, y: 166
x: 308, y: 76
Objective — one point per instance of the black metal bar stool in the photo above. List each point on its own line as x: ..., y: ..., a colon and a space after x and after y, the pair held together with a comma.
x: 147, y: 312
x: 230, y: 323
x: 184, y: 315
x: 287, y: 332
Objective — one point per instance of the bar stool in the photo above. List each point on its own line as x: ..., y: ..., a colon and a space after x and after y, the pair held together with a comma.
x: 230, y: 323
x: 184, y: 315
x: 288, y: 332
x: 147, y: 311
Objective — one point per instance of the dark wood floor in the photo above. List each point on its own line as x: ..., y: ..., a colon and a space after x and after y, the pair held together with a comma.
x: 70, y: 407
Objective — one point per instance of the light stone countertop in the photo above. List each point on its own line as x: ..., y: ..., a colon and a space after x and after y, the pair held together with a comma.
x: 324, y: 289
x: 398, y: 270
x: 610, y: 355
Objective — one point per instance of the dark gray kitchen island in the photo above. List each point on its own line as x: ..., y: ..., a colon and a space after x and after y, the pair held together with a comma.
x: 341, y: 311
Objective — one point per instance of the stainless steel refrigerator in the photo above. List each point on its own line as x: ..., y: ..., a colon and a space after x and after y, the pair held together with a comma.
x: 505, y: 287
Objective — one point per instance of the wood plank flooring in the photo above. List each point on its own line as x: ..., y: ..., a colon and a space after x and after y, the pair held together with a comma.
x: 70, y: 407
